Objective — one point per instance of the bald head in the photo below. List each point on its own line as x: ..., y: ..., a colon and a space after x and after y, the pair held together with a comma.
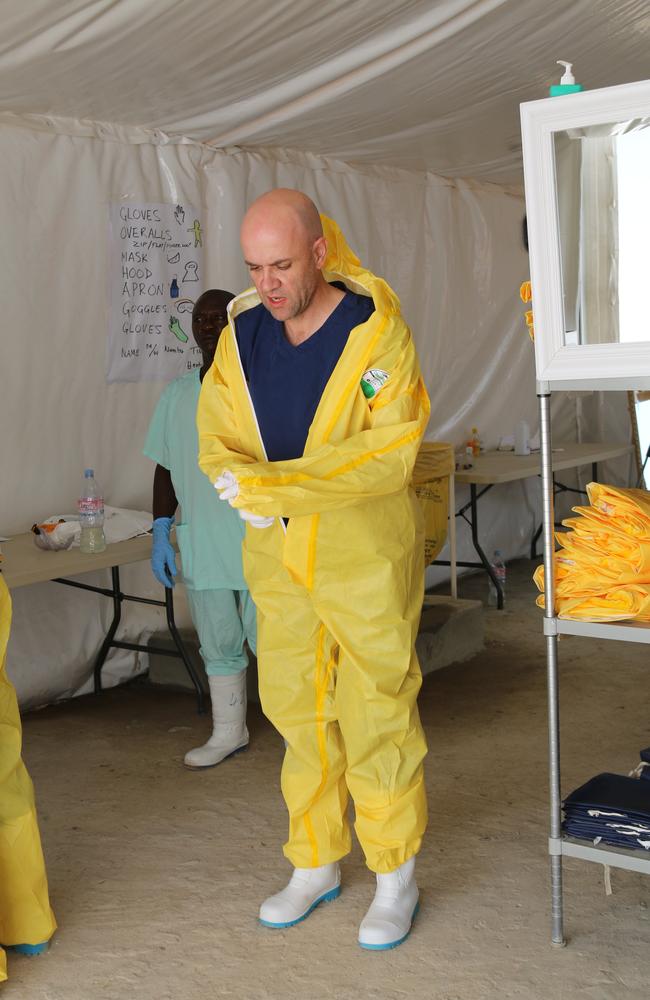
x: 285, y: 250
x: 283, y: 209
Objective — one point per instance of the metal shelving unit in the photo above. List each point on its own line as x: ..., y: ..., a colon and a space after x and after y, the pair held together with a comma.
x: 603, y: 358
x: 618, y: 857
x: 629, y: 632
x: 561, y: 845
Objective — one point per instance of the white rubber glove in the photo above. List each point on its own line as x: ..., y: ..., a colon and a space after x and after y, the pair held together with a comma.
x: 256, y: 520
x: 227, y: 485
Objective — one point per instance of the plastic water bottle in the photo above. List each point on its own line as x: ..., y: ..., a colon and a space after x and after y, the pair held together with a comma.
x: 499, y: 570
x: 475, y: 443
x: 91, y: 515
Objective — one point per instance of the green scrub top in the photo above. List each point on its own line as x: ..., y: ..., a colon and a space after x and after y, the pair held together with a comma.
x: 210, y: 532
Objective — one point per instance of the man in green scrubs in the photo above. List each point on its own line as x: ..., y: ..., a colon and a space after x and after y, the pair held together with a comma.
x: 209, y: 535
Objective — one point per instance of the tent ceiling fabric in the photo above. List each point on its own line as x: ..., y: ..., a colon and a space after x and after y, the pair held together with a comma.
x: 419, y: 85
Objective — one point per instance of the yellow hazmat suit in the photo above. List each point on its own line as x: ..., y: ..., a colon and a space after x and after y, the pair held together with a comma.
x: 339, y: 589
x: 25, y: 914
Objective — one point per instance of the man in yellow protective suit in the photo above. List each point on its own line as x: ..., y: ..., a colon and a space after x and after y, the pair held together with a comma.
x: 26, y: 920
x: 309, y: 425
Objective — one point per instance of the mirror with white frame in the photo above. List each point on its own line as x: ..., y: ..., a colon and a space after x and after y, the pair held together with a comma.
x: 603, y: 206
x: 587, y: 176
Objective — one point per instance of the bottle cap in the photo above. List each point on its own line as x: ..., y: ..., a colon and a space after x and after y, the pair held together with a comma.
x: 567, y: 77
x: 89, y: 473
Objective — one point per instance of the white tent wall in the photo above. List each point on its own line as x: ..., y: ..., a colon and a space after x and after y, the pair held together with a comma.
x: 451, y: 249
x: 61, y: 413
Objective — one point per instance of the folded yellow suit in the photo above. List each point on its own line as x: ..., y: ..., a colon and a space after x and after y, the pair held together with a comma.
x: 602, y: 570
x: 25, y: 914
x: 625, y: 511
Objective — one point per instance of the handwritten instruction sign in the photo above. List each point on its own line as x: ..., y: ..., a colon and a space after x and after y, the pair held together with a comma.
x: 156, y: 276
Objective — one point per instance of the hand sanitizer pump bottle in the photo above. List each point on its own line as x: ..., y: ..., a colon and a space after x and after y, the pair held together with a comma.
x: 567, y: 84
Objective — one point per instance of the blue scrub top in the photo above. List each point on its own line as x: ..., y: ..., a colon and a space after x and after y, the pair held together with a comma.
x: 286, y: 382
x: 209, y: 532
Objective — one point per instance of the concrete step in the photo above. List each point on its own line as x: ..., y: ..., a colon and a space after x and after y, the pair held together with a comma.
x: 451, y: 631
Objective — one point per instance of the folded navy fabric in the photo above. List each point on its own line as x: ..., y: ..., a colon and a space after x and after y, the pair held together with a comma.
x: 615, y: 792
x: 612, y: 808
x: 620, y: 828
x: 613, y: 838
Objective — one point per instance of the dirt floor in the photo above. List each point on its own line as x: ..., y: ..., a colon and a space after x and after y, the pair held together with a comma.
x: 156, y: 873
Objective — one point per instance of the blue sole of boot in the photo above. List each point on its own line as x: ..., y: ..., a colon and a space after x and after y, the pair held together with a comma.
x: 392, y: 944
x: 327, y: 897
x: 28, y: 949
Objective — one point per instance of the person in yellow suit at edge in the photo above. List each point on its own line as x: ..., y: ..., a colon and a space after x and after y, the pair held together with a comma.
x: 26, y: 920
x: 309, y: 424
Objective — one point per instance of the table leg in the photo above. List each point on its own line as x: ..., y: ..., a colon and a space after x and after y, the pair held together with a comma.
x: 481, y: 554
x: 453, y: 557
x: 110, y: 635
x: 182, y: 652
x: 110, y: 640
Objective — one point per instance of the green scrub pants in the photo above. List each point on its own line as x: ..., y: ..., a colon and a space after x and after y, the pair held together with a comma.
x: 223, y: 619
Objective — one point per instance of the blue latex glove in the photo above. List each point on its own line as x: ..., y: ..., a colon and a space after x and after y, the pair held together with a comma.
x: 163, y: 557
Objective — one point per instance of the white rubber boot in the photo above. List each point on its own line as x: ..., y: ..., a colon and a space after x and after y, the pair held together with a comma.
x: 388, y: 921
x: 308, y: 887
x: 229, y: 733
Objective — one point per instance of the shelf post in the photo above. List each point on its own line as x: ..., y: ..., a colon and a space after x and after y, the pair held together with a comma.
x: 551, y: 638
